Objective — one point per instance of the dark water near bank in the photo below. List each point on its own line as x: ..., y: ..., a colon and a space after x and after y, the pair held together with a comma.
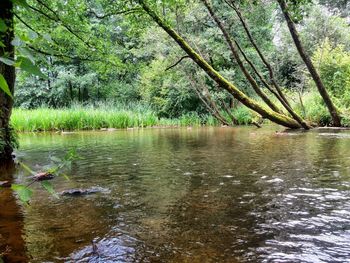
x: 192, y: 195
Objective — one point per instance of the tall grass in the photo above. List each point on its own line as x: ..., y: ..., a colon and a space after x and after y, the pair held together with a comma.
x: 79, y: 118
x: 95, y: 118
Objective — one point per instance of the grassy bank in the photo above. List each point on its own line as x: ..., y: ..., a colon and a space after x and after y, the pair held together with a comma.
x: 88, y: 118
x: 137, y: 115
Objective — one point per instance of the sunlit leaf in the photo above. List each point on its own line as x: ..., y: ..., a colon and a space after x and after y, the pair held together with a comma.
x: 7, y: 61
x: 32, y: 35
x: 4, y: 86
x: 17, y: 42
x: 25, y: 52
x: 29, y: 67
x: 49, y: 188
x: 24, y: 193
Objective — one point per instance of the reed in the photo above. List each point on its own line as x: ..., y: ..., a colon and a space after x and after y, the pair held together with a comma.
x: 95, y: 118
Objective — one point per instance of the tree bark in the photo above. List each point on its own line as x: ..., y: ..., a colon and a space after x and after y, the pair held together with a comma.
x: 6, y: 102
x: 217, y: 77
x: 315, y: 76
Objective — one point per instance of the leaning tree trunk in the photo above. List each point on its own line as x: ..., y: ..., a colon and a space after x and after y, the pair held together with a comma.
x: 237, y: 58
x: 6, y: 102
x: 217, y: 77
x: 234, y: 51
x: 315, y: 76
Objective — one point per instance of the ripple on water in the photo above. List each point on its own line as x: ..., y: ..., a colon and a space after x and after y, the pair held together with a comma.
x: 313, y: 226
x: 217, y: 195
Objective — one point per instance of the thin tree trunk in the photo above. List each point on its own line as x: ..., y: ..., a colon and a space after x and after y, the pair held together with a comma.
x: 316, y: 77
x: 70, y: 86
x: 262, y: 57
x: 208, y: 101
x: 6, y: 102
x: 279, y: 94
x: 228, y: 108
x: 236, y: 56
x: 217, y: 77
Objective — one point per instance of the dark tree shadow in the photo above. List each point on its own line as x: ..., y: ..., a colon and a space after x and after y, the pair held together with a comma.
x: 12, y: 245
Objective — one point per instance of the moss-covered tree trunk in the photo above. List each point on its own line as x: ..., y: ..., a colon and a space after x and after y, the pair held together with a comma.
x: 6, y: 102
x: 217, y: 77
x: 310, y: 66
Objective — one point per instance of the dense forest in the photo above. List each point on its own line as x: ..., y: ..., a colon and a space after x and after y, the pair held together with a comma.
x: 203, y: 62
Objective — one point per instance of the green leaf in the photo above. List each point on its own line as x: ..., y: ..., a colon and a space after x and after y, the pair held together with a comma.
x: 3, y: 26
x: 28, y: 66
x: 24, y: 193
x: 17, y: 42
x: 25, y: 52
x: 22, y: 3
x: 4, y: 86
x: 7, y: 61
x: 49, y: 188
x: 32, y: 35
x: 47, y: 37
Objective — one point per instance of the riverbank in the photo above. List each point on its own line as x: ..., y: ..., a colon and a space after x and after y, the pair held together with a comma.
x: 80, y: 118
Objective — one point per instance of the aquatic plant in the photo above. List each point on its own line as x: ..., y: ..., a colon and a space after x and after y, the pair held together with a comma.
x: 25, y: 192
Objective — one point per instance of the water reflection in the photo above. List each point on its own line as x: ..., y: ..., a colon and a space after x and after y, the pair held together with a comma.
x: 200, y: 195
x: 12, y: 247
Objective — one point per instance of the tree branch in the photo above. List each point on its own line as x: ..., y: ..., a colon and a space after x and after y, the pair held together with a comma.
x: 178, y: 62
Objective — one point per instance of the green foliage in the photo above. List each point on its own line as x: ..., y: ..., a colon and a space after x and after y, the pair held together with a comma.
x: 25, y: 192
x: 316, y: 111
x: 334, y: 67
x: 4, y: 86
x: 119, y: 117
x: 298, y: 9
x: 92, y: 55
x: 319, y: 25
x: 243, y: 115
x: 80, y: 118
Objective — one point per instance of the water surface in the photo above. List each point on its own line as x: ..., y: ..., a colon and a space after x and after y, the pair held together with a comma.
x: 192, y: 195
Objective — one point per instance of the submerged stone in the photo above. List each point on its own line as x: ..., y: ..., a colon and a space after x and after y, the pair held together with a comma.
x: 88, y: 191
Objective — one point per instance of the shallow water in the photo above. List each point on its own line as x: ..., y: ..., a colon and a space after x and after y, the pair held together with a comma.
x: 192, y: 195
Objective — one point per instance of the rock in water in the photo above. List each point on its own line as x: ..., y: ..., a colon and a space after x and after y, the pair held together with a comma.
x: 88, y: 191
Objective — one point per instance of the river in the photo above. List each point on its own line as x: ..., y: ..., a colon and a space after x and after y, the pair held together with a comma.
x: 189, y: 195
